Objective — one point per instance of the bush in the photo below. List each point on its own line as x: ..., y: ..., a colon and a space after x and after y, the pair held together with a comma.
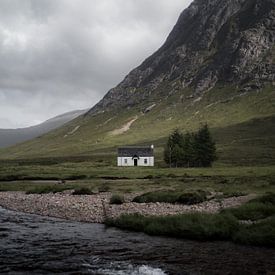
x: 83, y: 191
x: 158, y: 196
x: 172, y: 197
x: 192, y: 198
x: 117, y: 199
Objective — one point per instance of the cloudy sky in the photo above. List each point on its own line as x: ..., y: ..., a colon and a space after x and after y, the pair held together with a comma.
x: 63, y: 55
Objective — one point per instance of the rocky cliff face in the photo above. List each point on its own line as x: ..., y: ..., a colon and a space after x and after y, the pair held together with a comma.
x: 228, y: 42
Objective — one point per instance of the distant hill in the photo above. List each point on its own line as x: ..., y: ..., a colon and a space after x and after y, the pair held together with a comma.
x: 9, y: 137
x: 217, y: 66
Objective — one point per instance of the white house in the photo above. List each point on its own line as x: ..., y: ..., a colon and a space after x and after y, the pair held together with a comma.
x: 136, y: 156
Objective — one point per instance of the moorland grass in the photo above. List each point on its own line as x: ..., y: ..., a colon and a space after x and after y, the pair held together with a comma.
x: 262, y: 233
x: 167, y: 196
x: 201, y: 227
x: 49, y: 189
x: 256, y: 209
x: 220, y: 226
x: 242, y: 128
x: 193, y: 226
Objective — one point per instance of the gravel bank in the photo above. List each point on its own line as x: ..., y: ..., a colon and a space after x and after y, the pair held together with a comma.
x: 94, y: 208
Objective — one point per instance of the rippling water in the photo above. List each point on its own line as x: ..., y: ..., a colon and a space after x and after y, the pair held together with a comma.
x: 40, y: 245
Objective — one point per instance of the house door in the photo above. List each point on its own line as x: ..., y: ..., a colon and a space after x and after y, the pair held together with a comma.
x: 135, y: 162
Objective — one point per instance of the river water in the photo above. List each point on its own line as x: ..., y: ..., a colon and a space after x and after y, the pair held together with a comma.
x: 31, y: 244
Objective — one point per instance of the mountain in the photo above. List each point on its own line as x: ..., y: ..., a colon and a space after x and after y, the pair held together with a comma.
x: 214, y: 42
x: 9, y: 137
x: 217, y: 66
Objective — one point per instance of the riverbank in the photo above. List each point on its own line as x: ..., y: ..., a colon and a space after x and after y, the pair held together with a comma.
x: 38, y: 245
x: 244, y: 219
x: 96, y: 208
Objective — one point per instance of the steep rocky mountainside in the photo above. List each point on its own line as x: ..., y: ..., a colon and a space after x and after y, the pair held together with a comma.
x: 214, y: 41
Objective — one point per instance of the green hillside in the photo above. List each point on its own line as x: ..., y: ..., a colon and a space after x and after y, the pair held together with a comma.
x: 216, y: 66
x: 242, y: 124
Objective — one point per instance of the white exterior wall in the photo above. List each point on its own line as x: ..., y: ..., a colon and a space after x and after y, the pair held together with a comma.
x: 130, y: 161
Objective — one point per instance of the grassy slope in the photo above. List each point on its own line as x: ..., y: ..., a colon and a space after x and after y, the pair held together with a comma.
x: 229, y: 115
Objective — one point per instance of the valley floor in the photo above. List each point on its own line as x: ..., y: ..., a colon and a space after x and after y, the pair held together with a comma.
x: 220, y: 203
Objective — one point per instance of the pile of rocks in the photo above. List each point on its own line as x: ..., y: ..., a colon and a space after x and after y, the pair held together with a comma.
x: 60, y: 205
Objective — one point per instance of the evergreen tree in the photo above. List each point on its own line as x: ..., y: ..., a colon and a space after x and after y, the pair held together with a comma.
x: 204, y: 148
x: 190, y: 150
x: 173, y: 151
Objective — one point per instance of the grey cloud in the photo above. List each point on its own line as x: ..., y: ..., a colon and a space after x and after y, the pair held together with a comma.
x: 61, y: 55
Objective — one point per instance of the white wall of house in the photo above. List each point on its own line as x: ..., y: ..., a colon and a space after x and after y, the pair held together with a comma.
x: 129, y: 161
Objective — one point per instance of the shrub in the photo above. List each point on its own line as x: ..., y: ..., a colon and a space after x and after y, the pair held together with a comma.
x: 83, y: 191
x: 192, y: 198
x: 172, y: 197
x: 117, y: 199
x: 158, y: 196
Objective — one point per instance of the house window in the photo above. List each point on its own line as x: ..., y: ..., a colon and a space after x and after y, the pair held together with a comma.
x: 145, y: 161
x: 125, y: 161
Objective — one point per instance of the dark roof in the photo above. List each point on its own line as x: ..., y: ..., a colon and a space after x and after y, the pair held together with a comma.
x: 139, y: 151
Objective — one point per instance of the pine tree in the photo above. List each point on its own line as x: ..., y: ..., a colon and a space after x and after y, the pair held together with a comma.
x: 173, y: 150
x: 190, y: 150
x: 204, y: 148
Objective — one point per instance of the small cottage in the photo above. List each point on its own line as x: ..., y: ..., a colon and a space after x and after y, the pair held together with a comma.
x: 136, y: 156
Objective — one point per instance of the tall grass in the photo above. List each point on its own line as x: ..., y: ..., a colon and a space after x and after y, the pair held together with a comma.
x: 200, y: 227
x: 262, y: 233
x: 195, y: 226
x: 256, y: 209
x: 221, y: 226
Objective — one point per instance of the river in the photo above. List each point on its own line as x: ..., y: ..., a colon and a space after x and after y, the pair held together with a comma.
x: 31, y: 244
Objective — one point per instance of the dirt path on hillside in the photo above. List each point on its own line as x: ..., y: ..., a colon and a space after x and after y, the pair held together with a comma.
x: 124, y: 128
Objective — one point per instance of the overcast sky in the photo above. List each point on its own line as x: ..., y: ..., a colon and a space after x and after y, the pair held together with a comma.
x: 63, y: 55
